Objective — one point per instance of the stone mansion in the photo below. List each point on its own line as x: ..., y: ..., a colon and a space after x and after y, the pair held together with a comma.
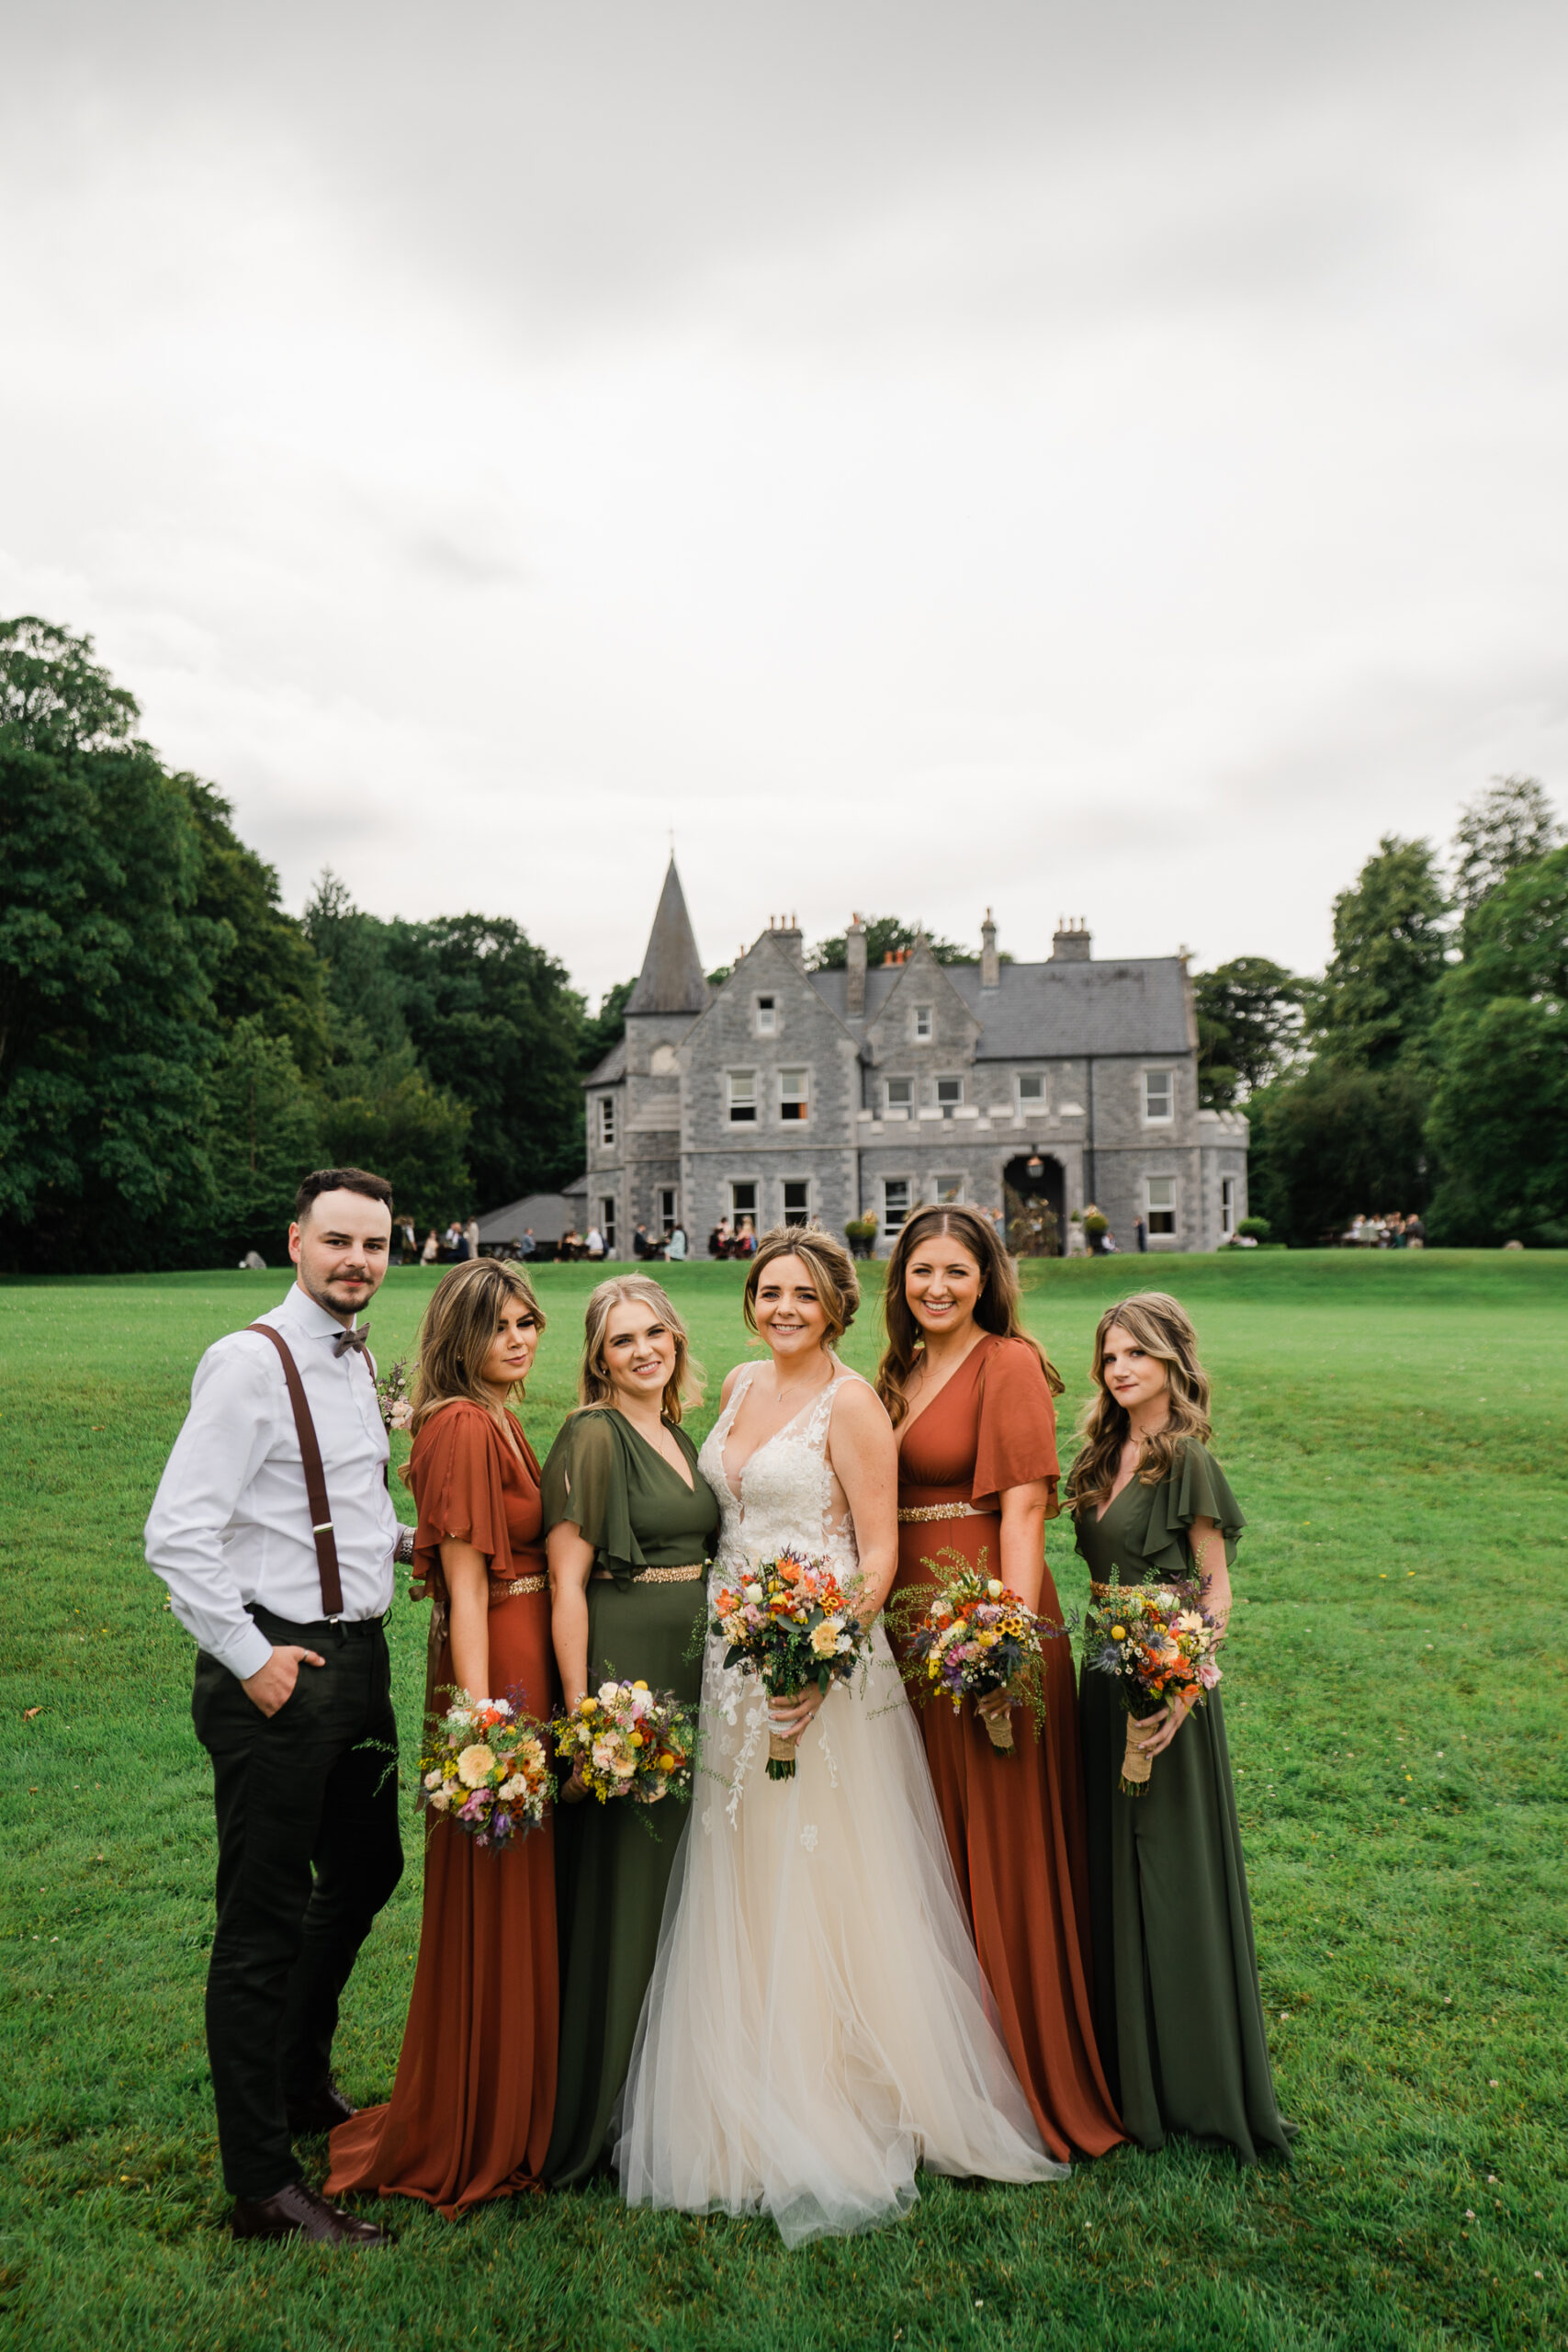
x: 786, y: 1095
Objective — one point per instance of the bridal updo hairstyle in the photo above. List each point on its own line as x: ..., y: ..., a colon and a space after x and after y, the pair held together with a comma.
x: 829, y: 1266
x: 996, y: 1309
x: 685, y: 1385
x: 458, y: 1328
x: 1156, y: 1323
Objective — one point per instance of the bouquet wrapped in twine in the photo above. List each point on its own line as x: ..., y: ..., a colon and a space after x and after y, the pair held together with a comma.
x: 971, y: 1638
x: 1159, y: 1645
x: 790, y: 1621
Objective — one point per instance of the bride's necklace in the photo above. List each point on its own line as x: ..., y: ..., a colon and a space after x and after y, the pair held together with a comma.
x: 782, y: 1395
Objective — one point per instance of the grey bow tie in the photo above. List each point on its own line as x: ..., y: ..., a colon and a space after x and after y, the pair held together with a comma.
x: 354, y: 1339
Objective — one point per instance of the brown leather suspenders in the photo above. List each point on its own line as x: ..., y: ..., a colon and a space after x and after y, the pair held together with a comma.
x: 315, y: 1477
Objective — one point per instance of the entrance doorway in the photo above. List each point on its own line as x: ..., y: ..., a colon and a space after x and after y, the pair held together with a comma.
x: 1034, y: 1188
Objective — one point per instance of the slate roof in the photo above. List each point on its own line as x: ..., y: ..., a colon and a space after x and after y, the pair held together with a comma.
x: 1055, y: 1008
x: 614, y: 1066
x: 671, y: 976
x: 545, y: 1215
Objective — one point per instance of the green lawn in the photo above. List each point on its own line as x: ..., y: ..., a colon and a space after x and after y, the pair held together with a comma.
x: 1394, y: 1428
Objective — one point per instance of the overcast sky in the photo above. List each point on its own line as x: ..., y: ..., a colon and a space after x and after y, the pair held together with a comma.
x: 1097, y: 459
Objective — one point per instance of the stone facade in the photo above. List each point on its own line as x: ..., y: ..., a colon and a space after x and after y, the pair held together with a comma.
x: 787, y: 1095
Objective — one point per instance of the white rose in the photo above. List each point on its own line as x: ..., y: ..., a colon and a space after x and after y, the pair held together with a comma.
x: 753, y: 1592
x: 608, y: 1694
x: 516, y: 1787
x: 440, y: 1799
x: 605, y: 1754
x: 994, y: 1589
x: 433, y: 1780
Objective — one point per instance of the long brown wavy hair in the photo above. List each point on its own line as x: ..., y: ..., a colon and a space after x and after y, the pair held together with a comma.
x: 996, y: 1309
x: 685, y: 1385
x: 459, y: 1325
x: 1154, y: 1321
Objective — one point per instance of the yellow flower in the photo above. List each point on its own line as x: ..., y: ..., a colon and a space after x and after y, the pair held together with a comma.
x: 667, y: 1763
x: 587, y: 1706
x: 635, y: 1740
x: 1118, y: 1632
x: 639, y: 1686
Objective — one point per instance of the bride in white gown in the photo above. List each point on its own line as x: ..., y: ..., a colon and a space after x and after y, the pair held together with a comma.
x: 817, y: 2026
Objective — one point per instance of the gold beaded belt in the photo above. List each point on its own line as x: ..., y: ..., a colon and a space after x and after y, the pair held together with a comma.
x: 518, y: 1585
x: 657, y: 1576
x: 918, y: 1513
x: 1125, y: 1592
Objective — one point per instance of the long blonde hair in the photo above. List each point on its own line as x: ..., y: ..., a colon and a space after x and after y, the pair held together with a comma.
x: 595, y: 1386
x: 459, y: 1327
x: 1154, y: 1321
x: 996, y: 1309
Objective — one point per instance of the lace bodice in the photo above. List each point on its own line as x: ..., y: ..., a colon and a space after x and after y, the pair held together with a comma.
x: 785, y: 1488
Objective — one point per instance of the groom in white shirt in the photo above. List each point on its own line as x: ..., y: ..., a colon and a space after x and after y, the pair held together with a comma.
x: 287, y: 1602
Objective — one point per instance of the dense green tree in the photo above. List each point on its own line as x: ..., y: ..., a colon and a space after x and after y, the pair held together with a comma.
x: 884, y: 935
x: 265, y: 966
x: 1334, y: 1141
x: 1510, y: 825
x: 379, y: 1110
x: 1499, y: 1118
x: 1250, y: 1025
x: 107, y: 1027
x: 495, y: 1022
x: 1376, y: 1003
x: 267, y: 1132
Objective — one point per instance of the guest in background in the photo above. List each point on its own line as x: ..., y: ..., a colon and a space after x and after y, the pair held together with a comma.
x: 452, y: 1244
x: 718, y: 1240
x: 641, y: 1246
x: 594, y: 1245
x: 432, y: 1249
x: 1141, y: 1234
x: 471, y: 1239
x: 745, y: 1240
x: 632, y: 1526
x: 675, y: 1248
x: 470, y: 2111
x: 970, y: 1398
x: 408, y: 1244
x: 527, y: 1246
x: 1415, y: 1233
x: 1179, y: 2011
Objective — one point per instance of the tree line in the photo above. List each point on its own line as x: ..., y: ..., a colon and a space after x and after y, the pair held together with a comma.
x: 175, y: 1047
x: 1427, y: 1068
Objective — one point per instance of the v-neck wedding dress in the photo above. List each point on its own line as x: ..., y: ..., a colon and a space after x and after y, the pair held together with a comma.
x: 817, y: 2027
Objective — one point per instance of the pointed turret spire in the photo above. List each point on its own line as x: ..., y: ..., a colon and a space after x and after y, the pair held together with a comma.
x: 672, y: 978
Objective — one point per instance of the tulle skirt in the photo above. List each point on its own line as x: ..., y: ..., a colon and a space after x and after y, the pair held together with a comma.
x: 817, y: 2027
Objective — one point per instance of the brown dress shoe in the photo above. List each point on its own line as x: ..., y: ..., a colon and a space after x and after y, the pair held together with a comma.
x: 322, y: 2111
x: 297, y: 2213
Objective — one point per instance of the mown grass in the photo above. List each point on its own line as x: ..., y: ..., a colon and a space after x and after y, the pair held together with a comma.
x: 1395, y: 1695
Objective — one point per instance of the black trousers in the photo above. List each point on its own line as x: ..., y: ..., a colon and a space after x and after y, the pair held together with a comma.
x: 308, y: 1852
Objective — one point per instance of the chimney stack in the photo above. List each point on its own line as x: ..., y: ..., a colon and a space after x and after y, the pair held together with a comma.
x: 1071, y: 944
x: 786, y: 930
x: 854, y: 969
x: 990, y: 965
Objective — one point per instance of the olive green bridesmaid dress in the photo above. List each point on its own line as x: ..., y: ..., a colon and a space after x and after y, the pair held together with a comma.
x: 1178, y: 2010
x: 613, y: 1862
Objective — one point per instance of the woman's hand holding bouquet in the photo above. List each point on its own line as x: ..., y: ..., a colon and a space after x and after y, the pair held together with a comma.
x: 790, y: 1621
x: 486, y: 1770
x: 974, y: 1638
x: 624, y: 1740
x: 1160, y: 1647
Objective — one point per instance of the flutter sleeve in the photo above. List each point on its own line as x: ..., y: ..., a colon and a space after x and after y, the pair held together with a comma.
x: 1196, y: 1488
x: 1017, y: 1442
x: 585, y: 1483
x: 456, y: 1487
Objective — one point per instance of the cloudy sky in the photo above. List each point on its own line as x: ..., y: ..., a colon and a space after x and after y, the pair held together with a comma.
x: 1097, y: 458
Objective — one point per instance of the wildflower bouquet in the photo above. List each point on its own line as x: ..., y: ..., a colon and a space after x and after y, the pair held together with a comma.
x: 1158, y: 1644
x: 975, y: 1636
x: 790, y: 1621
x: 485, y: 1769
x: 626, y: 1740
x: 392, y: 1396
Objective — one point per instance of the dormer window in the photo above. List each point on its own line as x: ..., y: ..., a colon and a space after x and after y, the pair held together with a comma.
x: 792, y: 1095
x: 742, y: 1098
x: 767, y: 1016
x: 922, y: 1024
x: 607, y: 1121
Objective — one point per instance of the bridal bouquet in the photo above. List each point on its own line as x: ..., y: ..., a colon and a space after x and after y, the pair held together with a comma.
x: 973, y: 1636
x: 626, y: 1740
x: 1158, y: 1644
x: 790, y: 1621
x: 485, y: 1769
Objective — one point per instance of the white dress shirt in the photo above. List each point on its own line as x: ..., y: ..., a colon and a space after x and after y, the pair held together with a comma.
x: 230, y: 1522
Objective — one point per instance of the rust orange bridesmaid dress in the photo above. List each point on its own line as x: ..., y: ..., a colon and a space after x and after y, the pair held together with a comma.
x: 1015, y: 1824
x: 470, y: 2111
